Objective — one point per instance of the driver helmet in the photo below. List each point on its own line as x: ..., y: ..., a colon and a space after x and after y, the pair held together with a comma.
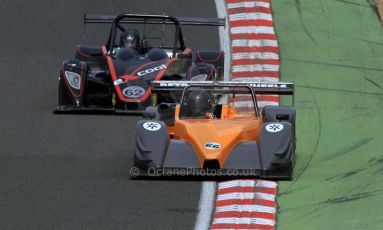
x: 131, y: 39
x: 199, y: 102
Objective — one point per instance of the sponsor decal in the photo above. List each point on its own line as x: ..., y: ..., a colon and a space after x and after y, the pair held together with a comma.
x: 118, y: 81
x: 274, y: 127
x: 212, y: 146
x: 267, y: 85
x: 151, y: 70
x: 152, y: 126
x: 133, y: 92
x: 253, y: 85
x: 170, y: 84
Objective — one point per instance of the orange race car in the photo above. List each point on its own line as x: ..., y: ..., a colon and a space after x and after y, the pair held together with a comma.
x: 216, y: 129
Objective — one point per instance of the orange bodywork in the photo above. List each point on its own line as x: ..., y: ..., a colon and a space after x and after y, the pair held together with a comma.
x: 231, y: 129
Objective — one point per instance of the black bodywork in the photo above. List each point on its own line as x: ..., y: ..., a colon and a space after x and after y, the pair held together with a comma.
x: 110, y: 79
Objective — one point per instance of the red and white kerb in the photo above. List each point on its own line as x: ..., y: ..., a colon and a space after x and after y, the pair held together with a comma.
x: 245, y: 204
x: 250, y: 204
x: 254, y: 47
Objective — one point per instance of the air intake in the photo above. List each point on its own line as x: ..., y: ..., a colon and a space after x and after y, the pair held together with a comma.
x: 211, y: 164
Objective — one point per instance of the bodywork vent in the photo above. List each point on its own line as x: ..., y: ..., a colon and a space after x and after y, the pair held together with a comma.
x: 211, y: 164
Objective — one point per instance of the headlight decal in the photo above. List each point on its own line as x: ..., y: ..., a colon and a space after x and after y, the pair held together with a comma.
x: 74, y: 79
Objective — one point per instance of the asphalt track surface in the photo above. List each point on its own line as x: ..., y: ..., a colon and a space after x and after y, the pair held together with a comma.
x: 71, y: 171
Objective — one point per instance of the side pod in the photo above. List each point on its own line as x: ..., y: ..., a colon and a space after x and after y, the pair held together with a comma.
x: 154, y: 149
x: 279, y: 114
x: 151, y: 143
x: 276, y: 146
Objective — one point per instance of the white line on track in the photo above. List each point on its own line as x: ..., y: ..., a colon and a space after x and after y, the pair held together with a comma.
x: 224, y: 37
x: 206, y: 205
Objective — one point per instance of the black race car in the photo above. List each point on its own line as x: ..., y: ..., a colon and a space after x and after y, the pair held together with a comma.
x: 117, y: 76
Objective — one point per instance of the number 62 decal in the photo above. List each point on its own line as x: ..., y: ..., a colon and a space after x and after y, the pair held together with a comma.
x: 212, y: 146
x: 133, y: 92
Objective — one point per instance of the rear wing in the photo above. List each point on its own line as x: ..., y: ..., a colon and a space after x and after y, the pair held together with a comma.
x: 117, y: 20
x: 256, y: 88
x: 156, y: 19
x: 279, y: 88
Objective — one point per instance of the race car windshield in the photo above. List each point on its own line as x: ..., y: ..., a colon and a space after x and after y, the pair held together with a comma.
x: 208, y: 103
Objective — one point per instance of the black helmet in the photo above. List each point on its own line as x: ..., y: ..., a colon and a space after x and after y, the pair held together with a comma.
x: 130, y: 38
x: 199, y: 102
